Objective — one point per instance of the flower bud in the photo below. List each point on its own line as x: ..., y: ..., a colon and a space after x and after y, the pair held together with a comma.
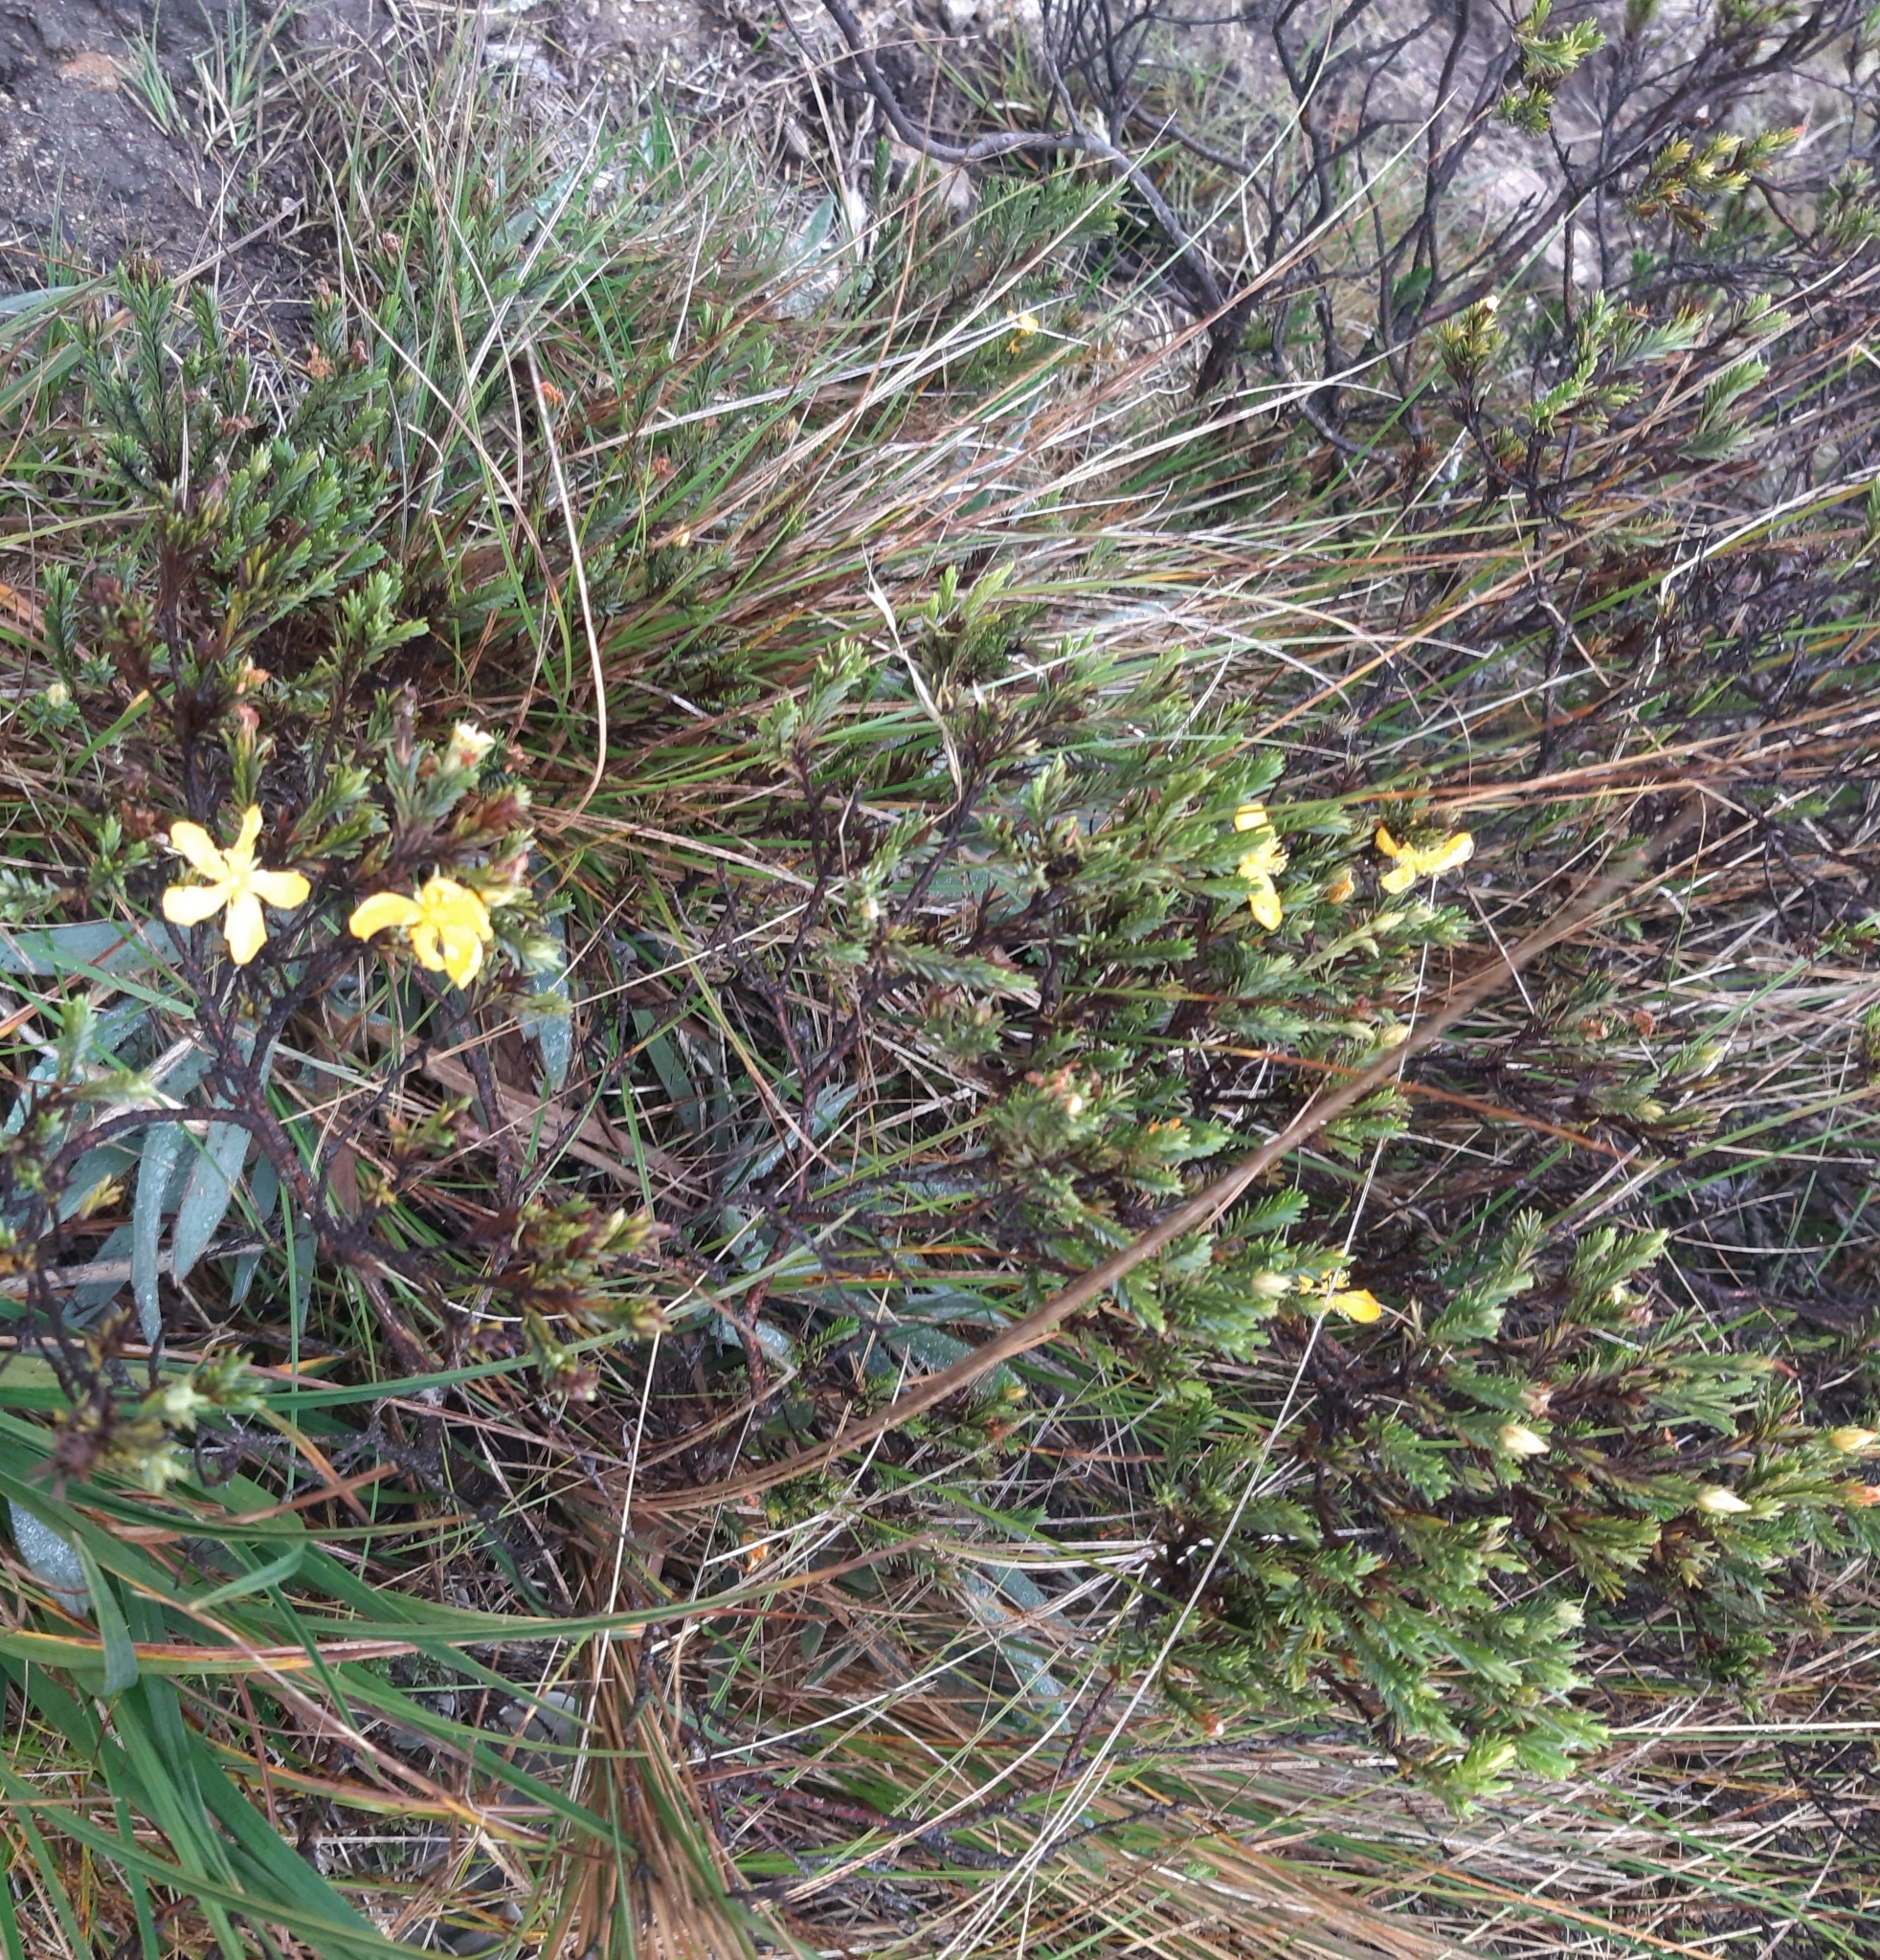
x: 1851, y: 1441
x: 57, y: 695
x: 1519, y: 1441
x: 1717, y: 1502
x: 1862, y: 1496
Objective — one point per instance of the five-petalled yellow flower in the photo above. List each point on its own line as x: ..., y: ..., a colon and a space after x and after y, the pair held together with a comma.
x: 447, y: 923
x: 238, y: 887
x: 1422, y: 860
x: 1261, y: 866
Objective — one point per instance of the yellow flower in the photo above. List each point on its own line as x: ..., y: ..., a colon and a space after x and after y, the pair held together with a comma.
x: 1716, y: 1502
x: 1851, y: 1442
x: 1519, y: 1441
x: 238, y: 887
x: 1024, y: 326
x: 1251, y: 817
x: 1259, y: 867
x: 468, y: 746
x: 447, y: 923
x: 1356, y: 1303
x: 1423, y: 860
x: 1340, y: 889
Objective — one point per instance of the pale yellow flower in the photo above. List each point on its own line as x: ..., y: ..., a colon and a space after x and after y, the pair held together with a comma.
x: 1422, y: 860
x: 238, y: 887
x: 1853, y: 1442
x: 447, y: 923
x: 1716, y: 1502
x: 1251, y: 817
x: 1259, y: 867
x: 1519, y: 1441
x: 468, y: 746
x: 1340, y: 889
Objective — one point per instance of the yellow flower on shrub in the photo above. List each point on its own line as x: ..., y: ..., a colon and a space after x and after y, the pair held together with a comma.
x: 1261, y: 866
x: 1355, y: 1302
x: 238, y: 887
x: 446, y: 922
x: 1422, y: 860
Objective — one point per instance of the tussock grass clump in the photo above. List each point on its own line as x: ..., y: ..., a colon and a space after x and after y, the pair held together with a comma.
x: 817, y: 803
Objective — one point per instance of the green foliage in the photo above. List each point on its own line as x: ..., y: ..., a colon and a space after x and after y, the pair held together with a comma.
x: 1531, y: 1439
x: 1688, y: 169
x: 1542, y: 62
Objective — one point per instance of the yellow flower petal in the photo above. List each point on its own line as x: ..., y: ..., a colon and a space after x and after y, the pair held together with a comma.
x: 189, y: 904
x: 1263, y: 861
x: 191, y: 841
x: 463, y: 954
x: 1264, y: 902
x: 1358, y: 1304
x: 243, y: 928
x: 1387, y: 843
x: 282, y: 889
x: 382, y: 909
x: 1401, y: 880
x: 454, y: 906
x: 426, y: 949
x: 1454, y: 850
x: 1340, y: 889
x: 243, y: 847
x: 1250, y: 817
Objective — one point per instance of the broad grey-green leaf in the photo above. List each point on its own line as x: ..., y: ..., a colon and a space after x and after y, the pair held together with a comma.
x: 207, y: 1195
x: 163, y: 1145
x: 119, y: 1655
x: 108, y: 1160
x: 54, y: 1561
x: 84, y: 1302
x: 548, y: 1021
x: 263, y: 1189
x: 937, y: 1350
x: 97, y: 945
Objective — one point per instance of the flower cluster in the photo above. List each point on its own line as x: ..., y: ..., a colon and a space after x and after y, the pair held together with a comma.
x: 445, y: 923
